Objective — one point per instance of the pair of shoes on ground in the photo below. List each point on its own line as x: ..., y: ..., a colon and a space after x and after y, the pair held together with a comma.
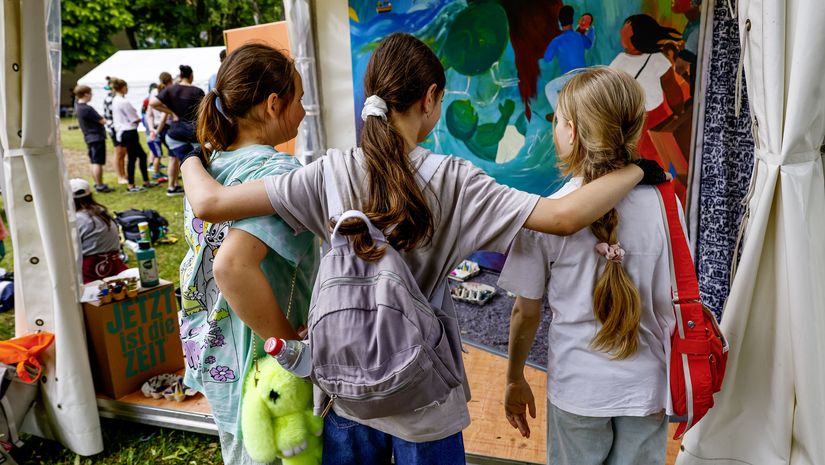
x: 103, y: 188
x: 173, y: 191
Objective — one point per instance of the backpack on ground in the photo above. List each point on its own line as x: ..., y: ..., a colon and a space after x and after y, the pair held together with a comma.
x: 129, y: 220
x: 699, y: 351
x: 379, y: 348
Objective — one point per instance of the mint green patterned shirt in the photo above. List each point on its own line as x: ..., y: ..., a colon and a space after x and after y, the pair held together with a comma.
x: 216, y: 343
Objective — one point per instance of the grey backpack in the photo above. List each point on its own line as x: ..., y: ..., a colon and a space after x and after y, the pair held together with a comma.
x: 378, y: 346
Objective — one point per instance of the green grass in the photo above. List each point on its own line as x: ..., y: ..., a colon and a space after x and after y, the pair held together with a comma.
x: 125, y: 443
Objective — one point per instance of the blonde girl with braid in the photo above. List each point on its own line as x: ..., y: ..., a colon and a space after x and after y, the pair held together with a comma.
x: 608, y: 289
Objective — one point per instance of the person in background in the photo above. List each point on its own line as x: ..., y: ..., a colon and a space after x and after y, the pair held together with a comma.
x: 94, y: 134
x: 98, y: 234
x: 120, y: 151
x: 126, y: 122
x: 154, y: 122
x: 180, y: 101
x: 211, y: 83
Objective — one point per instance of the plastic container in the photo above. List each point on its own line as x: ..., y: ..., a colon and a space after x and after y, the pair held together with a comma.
x: 292, y: 355
x: 143, y: 230
x: 147, y: 265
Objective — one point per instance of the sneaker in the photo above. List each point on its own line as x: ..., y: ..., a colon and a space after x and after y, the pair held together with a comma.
x: 135, y: 189
x: 123, y: 181
x: 159, y: 175
x: 103, y: 189
x: 150, y: 185
x: 177, y: 190
x: 161, y: 179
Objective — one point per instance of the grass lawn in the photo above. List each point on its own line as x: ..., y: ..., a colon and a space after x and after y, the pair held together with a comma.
x: 124, y: 442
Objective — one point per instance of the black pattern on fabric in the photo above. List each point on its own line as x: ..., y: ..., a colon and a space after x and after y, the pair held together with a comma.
x: 727, y: 162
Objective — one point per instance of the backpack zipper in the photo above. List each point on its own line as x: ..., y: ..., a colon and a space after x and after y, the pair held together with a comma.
x: 370, y: 280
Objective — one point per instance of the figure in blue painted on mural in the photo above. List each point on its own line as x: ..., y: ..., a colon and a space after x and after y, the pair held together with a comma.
x: 568, y: 50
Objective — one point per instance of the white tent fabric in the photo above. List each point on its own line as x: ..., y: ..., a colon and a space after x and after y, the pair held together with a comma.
x: 140, y: 68
x: 773, y: 401
x: 37, y: 205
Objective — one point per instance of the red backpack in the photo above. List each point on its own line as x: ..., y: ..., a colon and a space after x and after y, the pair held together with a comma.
x: 699, y: 351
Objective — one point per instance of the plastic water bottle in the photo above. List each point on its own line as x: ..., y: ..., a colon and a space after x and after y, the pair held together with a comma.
x: 292, y: 355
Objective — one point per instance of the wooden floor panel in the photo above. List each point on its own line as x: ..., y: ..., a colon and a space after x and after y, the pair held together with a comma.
x: 490, y: 434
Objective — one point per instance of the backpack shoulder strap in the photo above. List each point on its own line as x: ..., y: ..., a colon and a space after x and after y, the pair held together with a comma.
x: 334, y: 206
x: 682, y: 272
x: 429, y: 166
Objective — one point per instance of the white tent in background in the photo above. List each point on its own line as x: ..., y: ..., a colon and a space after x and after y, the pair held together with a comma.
x: 773, y: 401
x: 140, y: 68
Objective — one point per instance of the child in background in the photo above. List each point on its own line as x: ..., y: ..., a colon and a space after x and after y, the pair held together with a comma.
x: 126, y: 121
x: 262, y: 279
x: 609, y: 339
x: 461, y: 210
x: 154, y: 123
x: 98, y: 234
x: 94, y: 134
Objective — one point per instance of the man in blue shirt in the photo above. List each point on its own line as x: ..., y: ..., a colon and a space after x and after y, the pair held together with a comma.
x: 568, y: 48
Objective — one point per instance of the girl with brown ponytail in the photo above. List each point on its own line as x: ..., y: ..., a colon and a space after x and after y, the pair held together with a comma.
x: 609, y: 339
x: 263, y: 273
x: 434, y: 226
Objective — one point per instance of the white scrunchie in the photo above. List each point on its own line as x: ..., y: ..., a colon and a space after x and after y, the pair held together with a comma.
x: 374, y: 106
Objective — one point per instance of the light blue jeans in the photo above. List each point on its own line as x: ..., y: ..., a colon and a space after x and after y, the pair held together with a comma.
x: 577, y: 440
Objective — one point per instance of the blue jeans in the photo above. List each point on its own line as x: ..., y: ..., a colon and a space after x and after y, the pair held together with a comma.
x: 347, y: 442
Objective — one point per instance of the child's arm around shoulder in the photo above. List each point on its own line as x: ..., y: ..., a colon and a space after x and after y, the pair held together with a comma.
x: 215, y: 203
x: 569, y: 214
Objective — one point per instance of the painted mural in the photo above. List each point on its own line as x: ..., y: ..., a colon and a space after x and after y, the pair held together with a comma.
x: 506, y: 61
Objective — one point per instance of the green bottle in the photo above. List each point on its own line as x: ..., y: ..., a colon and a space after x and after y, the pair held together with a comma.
x: 147, y: 265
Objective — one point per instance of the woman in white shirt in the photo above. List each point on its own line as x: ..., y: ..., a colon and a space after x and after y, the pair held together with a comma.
x: 126, y: 120
x: 642, y: 38
x: 608, y: 288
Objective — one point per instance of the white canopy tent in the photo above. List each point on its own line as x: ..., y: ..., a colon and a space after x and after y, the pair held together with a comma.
x: 773, y: 400
x: 140, y: 68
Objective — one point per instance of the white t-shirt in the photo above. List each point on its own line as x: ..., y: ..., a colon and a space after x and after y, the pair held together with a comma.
x: 581, y: 380
x: 471, y: 211
x: 124, y: 115
x: 649, y: 78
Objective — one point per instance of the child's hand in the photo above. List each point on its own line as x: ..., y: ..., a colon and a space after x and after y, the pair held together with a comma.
x: 653, y: 173
x: 518, y: 398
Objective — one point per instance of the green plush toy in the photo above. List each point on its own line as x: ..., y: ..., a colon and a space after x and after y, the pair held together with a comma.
x: 277, y: 419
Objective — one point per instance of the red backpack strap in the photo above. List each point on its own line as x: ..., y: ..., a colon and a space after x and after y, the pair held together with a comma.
x: 684, y: 273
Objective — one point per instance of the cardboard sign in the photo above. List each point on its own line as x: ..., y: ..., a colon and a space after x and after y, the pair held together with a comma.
x: 133, y: 339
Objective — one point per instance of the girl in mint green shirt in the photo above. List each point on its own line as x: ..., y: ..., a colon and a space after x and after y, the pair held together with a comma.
x: 253, y: 275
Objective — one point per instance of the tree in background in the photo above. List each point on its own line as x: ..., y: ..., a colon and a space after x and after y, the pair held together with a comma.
x: 88, y: 26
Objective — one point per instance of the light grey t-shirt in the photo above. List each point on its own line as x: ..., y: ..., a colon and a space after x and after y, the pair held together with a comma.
x: 471, y: 212
x: 95, y: 235
x: 581, y: 380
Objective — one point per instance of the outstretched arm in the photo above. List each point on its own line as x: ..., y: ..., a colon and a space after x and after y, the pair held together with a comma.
x: 573, y: 212
x: 518, y: 397
x: 214, y: 202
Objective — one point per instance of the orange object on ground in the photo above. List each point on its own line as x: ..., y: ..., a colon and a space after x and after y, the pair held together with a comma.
x: 23, y: 351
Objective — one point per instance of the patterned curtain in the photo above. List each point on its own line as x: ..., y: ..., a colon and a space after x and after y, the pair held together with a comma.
x: 727, y: 162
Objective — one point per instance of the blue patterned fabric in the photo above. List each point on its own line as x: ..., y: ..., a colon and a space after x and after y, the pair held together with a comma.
x: 727, y: 162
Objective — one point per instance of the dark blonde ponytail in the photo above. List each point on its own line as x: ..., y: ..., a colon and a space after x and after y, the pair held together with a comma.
x: 606, y: 107
x: 246, y: 78
x: 400, y: 71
